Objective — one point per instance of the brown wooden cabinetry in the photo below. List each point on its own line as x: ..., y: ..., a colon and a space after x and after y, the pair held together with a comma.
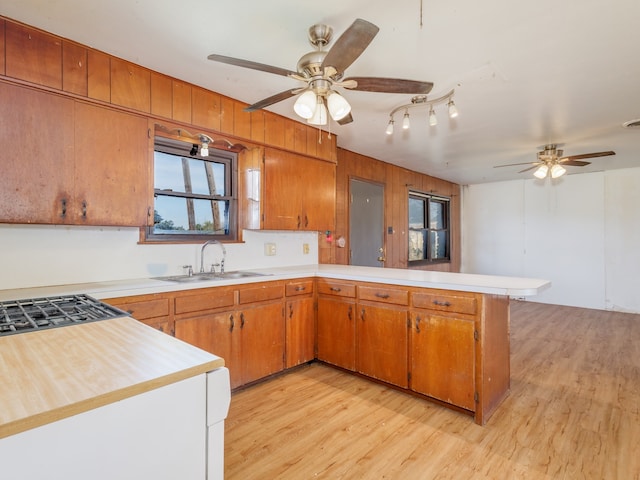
x: 82, y: 164
x: 243, y: 324
x: 154, y: 310
x: 299, y: 322
x: 112, y: 168
x: 382, y: 334
x: 299, y: 192
x: 443, y: 358
x: 336, y: 330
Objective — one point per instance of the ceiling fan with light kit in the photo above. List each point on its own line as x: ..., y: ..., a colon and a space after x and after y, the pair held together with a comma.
x: 551, y: 162
x: 323, y: 70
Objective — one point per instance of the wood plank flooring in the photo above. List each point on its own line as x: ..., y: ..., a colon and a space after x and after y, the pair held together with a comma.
x: 573, y: 413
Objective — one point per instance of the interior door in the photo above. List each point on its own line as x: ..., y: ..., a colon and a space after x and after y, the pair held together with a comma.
x: 366, y: 224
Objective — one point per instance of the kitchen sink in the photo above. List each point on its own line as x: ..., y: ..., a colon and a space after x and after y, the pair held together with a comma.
x: 203, y: 277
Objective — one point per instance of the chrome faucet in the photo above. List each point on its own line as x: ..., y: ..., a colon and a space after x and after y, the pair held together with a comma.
x: 224, y: 256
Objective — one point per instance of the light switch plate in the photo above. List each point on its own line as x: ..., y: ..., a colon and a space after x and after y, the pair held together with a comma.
x: 305, y: 248
x: 269, y: 249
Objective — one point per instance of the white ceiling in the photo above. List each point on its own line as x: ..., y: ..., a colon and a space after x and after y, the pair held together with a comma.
x: 525, y: 73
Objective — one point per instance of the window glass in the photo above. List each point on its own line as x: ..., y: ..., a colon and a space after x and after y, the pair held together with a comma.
x: 193, y: 195
x: 428, y: 228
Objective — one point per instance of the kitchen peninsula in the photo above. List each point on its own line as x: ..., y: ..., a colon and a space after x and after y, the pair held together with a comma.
x: 449, y: 331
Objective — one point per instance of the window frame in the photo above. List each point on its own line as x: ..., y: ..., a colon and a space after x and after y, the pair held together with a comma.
x: 428, y: 198
x: 184, y: 149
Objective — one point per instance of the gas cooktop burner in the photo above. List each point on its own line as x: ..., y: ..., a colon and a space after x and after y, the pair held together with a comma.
x: 17, y: 316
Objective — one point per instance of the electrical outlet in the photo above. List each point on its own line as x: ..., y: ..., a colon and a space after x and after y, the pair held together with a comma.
x: 269, y: 249
x: 305, y: 248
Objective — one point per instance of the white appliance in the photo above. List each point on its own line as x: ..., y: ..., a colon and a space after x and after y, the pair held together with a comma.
x: 173, y: 432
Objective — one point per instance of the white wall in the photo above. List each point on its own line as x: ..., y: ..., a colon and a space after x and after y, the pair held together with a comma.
x: 581, y: 231
x: 40, y: 255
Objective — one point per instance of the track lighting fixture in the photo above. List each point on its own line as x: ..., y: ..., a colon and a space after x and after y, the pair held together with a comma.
x: 419, y: 101
x: 406, y: 123
x: 389, y: 130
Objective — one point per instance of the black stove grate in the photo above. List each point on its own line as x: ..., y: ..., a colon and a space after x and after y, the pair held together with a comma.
x: 18, y: 316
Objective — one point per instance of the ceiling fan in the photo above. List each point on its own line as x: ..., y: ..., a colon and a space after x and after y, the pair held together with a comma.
x: 323, y: 70
x: 550, y: 161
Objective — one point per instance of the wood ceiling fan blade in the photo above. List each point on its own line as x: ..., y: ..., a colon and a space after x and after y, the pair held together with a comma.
x: 278, y: 97
x: 535, y: 164
x: 587, y: 155
x: 346, y: 120
x: 238, y: 62
x: 574, y: 163
x: 350, y: 45
x: 389, y: 85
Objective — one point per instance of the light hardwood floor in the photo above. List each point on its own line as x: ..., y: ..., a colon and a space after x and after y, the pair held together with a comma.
x: 573, y: 413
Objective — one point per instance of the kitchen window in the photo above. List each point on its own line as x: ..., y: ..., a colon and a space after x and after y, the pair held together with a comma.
x: 429, y: 239
x: 194, y: 196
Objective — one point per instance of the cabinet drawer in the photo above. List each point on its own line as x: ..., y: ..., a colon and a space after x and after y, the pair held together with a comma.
x: 206, y: 300
x: 261, y: 293
x: 467, y: 304
x: 384, y: 294
x: 143, y: 309
x: 339, y: 289
x: 303, y: 287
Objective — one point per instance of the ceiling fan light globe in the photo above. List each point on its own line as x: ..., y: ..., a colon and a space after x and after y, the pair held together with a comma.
x: 557, y: 170
x: 338, y: 106
x: 320, y: 115
x: 306, y: 105
x: 541, y: 172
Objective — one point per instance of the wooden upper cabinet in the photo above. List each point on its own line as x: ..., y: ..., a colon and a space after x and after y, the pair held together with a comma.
x: 74, y: 68
x: 36, y: 134
x: 33, y: 56
x: 161, y: 95
x: 2, y: 46
x: 181, y: 101
x: 130, y: 85
x: 98, y: 75
x: 299, y: 192
x: 112, y: 167
x: 205, y: 108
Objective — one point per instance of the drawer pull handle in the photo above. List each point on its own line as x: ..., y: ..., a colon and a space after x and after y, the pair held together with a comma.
x: 300, y: 288
x: 336, y: 289
x: 441, y: 304
x: 242, y: 320
x: 290, y: 310
x: 232, y: 323
x: 362, y: 312
x: 417, y: 323
x: 382, y: 295
x: 63, y: 212
x: 350, y: 313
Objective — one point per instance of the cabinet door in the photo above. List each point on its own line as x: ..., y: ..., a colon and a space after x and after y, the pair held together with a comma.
x: 36, y: 135
x: 300, y: 331
x: 337, y: 332
x: 216, y: 333
x: 382, y: 343
x: 262, y: 344
x: 112, y: 166
x: 443, y: 358
x: 299, y: 192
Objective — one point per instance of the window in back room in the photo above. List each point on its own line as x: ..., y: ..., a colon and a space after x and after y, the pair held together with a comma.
x: 429, y: 239
x: 194, y: 196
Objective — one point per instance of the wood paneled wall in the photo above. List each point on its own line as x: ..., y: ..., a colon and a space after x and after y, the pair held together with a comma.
x: 397, y: 182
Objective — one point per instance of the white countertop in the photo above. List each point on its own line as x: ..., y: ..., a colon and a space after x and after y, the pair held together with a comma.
x: 466, y: 282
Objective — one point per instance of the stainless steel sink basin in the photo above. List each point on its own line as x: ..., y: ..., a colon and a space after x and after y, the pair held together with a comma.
x: 203, y: 277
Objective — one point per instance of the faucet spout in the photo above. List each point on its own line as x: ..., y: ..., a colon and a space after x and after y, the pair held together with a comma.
x: 224, y: 254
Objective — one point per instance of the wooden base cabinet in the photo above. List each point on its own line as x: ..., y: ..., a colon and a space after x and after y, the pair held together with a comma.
x: 443, y: 358
x: 244, y: 325
x: 300, y: 322
x: 336, y: 331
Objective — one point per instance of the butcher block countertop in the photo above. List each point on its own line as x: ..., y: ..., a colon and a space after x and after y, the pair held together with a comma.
x: 49, y: 375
